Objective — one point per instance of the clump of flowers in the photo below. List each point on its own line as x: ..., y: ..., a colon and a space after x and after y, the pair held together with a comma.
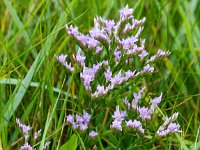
x: 26, y: 132
x: 106, y: 62
x: 81, y: 121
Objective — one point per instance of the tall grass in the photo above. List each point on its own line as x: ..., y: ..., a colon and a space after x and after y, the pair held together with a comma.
x: 37, y: 89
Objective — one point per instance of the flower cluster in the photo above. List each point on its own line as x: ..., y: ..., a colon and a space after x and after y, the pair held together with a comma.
x: 119, y: 117
x: 111, y: 51
x: 168, y: 126
x: 26, y: 129
x: 111, y: 36
x: 81, y: 121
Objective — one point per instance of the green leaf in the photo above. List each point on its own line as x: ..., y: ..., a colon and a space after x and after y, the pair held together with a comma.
x: 71, y: 144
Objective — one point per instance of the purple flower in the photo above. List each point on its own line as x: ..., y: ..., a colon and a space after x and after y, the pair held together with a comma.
x: 154, y: 103
x: 117, y: 79
x: 46, y: 145
x: 135, y: 125
x: 93, y: 134
x: 108, y: 74
x: 125, y: 13
x: 86, y: 117
x: 83, y: 127
x: 173, y: 127
x: 137, y: 97
x: 61, y: 59
x: 147, y: 69
x: 144, y: 113
x: 26, y: 146
x: 72, y: 31
x: 81, y: 121
x: 126, y: 102
x: 37, y: 134
x: 168, y: 126
x: 70, y: 119
x: 25, y: 129
x: 143, y: 54
x: 117, y: 125
x: 79, y: 58
x: 98, y: 49
x: 119, y: 116
x: 160, y: 54
x: 117, y: 54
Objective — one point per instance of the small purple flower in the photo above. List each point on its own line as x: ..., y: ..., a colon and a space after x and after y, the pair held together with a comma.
x: 126, y: 102
x: 37, y: 134
x: 72, y: 31
x: 79, y: 119
x: 117, y: 79
x: 117, y: 125
x: 144, y: 113
x: 26, y: 146
x: 86, y: 117
x: 129, y: 74
x: 135, y: 125
x: 46, y: 145
x: 147, y: 69
x: 79, y: 58
x: 137, y: 97
x: 98, y: 49
x: 93, y: 134
x: 119, y: 116
x: 125, y: 13
x: 70, y: 119
x: 168, y: 126
x: 108, y: 74
x: 173, y: 127
x: 25, y: 129
x: 83, y: 127
x: 61, y: 58
x: 117, y: 54
x: 143, y: 54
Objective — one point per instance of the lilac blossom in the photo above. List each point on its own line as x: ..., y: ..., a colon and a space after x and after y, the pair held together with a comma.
x: 79, y: 58
x: 117, y: 54
x: 25, y: 129
x: 137, y: 97
x: 119, y: 116
x: 37, y: 134
x: 26, y: 146
x: 144, y: 113
x: 154, y: 103
x: 117, y: 125
x: 93, y: 134
x: 109, y: 40
x: 70, y: 119
x: 168, y: 126
x: 135, y: 125
x: 125, y: 13
x: 160, y: 54
x: 78, y: 121
x: 61, y: 59
x: 108, y: 74
x: 46, y: 145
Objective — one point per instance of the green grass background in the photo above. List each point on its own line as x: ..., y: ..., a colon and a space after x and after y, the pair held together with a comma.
x: 35, y: 87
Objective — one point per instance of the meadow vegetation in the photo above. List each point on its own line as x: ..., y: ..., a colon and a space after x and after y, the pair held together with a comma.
x: 41, y: 92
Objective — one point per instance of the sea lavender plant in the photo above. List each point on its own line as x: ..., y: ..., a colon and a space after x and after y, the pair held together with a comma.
x: 26, y: 132
x: 105, y: 62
